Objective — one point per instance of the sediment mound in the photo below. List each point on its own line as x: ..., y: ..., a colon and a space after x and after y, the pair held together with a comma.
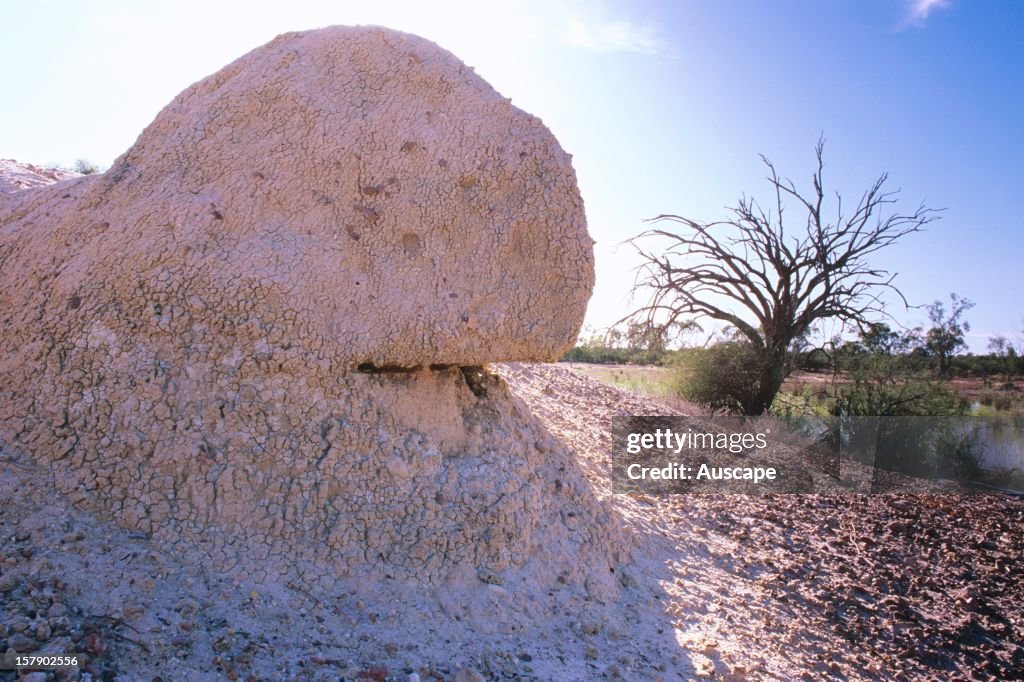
x: 256, y: 337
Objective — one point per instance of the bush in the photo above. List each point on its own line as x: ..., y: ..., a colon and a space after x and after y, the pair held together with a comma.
x: 723, y: 378
x: 85, y: 167
x: 922, y: 430
x: 1002, y: 402
x: 873, y: 396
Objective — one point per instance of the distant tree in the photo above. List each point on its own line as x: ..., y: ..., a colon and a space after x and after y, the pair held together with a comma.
x: 946, y: 336
x: 879, y: 343
x: 632, y: 343
x: 85, y: 167
x: 647, y: 335
x: 772, y: 282
x: 880, y: 338
x: 1001, y: 347
x: 998, y: 345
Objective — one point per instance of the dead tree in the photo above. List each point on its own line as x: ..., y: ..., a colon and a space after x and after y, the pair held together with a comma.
x: 770, y: 282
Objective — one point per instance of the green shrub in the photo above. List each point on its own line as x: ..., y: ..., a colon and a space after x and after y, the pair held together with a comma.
x: 895, y: 396
x: 922, y: 430
x: 724, y: 377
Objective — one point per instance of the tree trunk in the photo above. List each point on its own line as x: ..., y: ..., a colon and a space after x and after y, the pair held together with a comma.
x: 768, y: 384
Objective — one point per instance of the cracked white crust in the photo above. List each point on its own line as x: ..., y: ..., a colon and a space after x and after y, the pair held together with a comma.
x: 355, y: 190
x: 179, y: 334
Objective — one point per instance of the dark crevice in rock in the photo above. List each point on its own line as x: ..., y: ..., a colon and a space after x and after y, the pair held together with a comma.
x: 371, y: 368
x: 477, y: 379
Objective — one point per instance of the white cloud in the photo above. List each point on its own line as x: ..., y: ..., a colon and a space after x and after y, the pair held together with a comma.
x: 918, y: 11
x: 613, y: 36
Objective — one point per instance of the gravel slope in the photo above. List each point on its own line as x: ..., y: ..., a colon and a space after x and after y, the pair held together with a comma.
x: 904, y: 587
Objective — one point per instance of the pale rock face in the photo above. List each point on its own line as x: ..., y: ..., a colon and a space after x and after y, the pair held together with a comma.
x: 178, y: 336
x: 358, y: 189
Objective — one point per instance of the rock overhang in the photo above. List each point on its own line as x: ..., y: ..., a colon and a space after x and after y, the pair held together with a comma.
x: 404, y: 211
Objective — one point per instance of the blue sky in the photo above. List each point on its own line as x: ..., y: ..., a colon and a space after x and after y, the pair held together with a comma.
x: 664, y: 106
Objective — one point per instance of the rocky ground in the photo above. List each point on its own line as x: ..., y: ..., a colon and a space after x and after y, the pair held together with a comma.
x: 781, y: 587
x: 15, y: 176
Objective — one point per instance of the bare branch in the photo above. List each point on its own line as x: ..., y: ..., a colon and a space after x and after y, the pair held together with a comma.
x: 772, y: 285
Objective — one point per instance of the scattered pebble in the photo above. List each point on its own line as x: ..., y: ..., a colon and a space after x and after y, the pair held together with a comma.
x: 467, y: 675
x: 21, y: 643
x: 377, y: 673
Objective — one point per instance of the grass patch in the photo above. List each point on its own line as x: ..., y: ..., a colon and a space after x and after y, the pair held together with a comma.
x: 657, y: 382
